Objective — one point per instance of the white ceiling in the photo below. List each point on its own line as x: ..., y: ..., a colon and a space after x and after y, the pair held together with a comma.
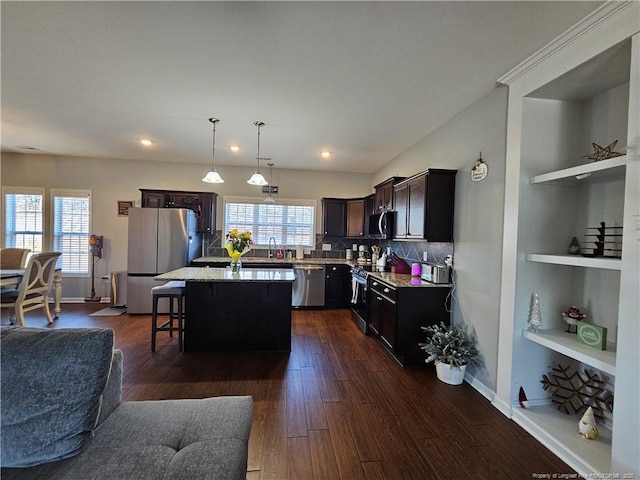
x: 365, y: 80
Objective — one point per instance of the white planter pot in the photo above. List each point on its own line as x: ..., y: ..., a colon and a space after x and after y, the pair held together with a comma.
x: 450, y: 374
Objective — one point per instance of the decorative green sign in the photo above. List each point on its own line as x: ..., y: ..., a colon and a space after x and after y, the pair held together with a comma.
x: 592, y: 335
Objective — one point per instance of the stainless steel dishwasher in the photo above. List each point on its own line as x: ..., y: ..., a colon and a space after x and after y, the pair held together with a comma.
x: 308, y: 287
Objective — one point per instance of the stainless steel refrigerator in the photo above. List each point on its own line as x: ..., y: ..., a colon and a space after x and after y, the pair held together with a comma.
x: 160, y: 240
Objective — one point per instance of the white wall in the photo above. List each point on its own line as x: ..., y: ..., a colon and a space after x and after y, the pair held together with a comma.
x: 113, y: 179
x: 478, y: 213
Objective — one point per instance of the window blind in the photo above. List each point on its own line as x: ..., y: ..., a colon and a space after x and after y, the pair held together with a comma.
x: 71, y: 228
x: 23, y: 213
x: 289, y: 222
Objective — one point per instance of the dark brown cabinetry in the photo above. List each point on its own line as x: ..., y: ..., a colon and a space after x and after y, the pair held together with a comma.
x: 384, y: 194
x: 396, y: 315
x: 202, y: 203
x: 424, y: 205
x: 355, y: 218
x: 337, y: 286
x: 260, y: 322
x: 334, y: 219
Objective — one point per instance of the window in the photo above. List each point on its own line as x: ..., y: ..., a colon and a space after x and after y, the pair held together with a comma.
x: 23, y: 213
x: 71, y: 227
x: 290, y: 222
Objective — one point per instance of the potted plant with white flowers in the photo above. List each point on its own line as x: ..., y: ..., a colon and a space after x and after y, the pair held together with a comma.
x: 452, y: 348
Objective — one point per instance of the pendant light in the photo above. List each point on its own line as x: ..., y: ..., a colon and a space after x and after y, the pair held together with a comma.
x: 257, y: 178
x: 213, y: 176
x: 269, y: 198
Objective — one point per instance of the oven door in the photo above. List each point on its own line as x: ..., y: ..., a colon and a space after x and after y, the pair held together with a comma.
x: 359, y: 312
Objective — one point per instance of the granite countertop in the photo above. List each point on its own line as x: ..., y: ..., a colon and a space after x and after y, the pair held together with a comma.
x: 308, y: 261
x: 200, y: 274
x: 400, y: 280
x: 395, y: 279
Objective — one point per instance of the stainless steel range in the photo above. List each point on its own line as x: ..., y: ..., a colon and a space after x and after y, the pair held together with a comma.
x: 359, y: 311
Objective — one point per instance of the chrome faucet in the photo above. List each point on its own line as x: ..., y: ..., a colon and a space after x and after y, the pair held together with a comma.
x: 269, y: 254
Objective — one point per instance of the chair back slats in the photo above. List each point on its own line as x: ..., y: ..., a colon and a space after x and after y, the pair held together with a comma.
x: 34, y: 288
x: 38, y: 275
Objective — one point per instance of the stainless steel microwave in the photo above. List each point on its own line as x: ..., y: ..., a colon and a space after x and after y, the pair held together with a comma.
x: 381, y: 225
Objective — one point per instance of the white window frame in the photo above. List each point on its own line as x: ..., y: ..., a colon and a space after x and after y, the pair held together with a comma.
x: 24, y: 191
x: 56, y: 192
x: 280, y: 201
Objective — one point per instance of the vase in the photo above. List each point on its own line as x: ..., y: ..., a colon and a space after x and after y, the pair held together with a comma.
x: 450, y: 373
x: 235, y: 266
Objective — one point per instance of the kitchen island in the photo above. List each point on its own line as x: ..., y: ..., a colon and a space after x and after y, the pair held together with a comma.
x: 245, y: 311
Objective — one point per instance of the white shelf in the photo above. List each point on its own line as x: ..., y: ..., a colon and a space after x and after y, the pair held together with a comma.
x: 567, y: 344
x: 577, y: 261
x: 558, y: 432
x: 609, y: 167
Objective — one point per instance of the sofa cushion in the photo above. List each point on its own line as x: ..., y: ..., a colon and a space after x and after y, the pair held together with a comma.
x: 51, y: 383
x: 160, y: 440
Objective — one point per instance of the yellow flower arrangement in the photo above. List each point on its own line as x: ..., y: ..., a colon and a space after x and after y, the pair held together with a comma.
x: 237, y: 244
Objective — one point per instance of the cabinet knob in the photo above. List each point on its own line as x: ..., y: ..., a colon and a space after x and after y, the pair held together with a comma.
x: 375, y: 284
x: 379, y: 298
x: 335, y: 268
x: 386, y: 290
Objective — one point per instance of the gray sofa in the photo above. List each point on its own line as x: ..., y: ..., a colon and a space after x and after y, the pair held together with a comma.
x: 63, y: 416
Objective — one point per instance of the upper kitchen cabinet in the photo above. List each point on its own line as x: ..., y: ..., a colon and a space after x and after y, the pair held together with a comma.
x: 384, y: 194
x: 202, y: 203
x: 334, y: 218
x: 580, y: 90
x: 356, y: 218
x: 424, y: 206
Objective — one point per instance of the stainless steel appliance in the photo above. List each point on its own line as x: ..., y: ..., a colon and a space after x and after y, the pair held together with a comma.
x: 435, y: 273
x: 160, y: 240
x: 381, y: 225
x: 359, y: 312
x: 308, y: 287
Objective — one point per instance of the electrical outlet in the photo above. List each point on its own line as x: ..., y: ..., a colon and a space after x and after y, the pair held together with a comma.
x: 326, y: 247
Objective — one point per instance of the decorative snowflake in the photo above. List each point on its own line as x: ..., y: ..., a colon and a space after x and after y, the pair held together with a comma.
x: 574, y: 394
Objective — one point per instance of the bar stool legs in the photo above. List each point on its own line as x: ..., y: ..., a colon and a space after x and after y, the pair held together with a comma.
x: 173, y: 291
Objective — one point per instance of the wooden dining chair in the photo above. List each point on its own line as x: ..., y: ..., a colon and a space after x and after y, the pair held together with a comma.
x: 13, y: 258
x: 33, y: 291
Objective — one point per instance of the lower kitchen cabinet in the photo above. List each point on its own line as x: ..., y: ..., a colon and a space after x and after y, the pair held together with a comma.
x: 337, y: 286
x: 397, y: 313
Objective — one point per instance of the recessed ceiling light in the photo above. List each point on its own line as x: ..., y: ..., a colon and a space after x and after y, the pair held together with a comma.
x: 325, y: 154
x: 234, y: 148
x: 146, y: 142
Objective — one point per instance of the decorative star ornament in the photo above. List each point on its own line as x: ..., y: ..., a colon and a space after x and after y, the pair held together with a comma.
x: 602, y: 153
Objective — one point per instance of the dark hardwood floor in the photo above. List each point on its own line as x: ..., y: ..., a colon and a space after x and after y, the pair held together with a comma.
x: 337, y: 407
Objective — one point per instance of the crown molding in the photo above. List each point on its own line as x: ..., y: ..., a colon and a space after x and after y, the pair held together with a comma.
x: 594, y: 20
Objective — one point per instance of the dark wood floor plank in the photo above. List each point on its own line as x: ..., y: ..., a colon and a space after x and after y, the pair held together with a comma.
x: 349, y: 464
x: 322, y: 455
x: 299, y: 458
x: 295, y: 406
x: 337, y: 407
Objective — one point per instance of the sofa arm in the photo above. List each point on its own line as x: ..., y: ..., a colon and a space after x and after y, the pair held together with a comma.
x: 112, y: 395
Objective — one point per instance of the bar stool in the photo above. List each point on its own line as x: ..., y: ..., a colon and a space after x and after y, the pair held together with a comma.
x: 173, y: 290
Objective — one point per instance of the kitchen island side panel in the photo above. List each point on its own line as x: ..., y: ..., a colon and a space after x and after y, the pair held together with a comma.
x: 237, y: 316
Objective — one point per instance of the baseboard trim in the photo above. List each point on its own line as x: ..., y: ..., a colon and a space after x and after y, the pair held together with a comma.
x: 480, y: 387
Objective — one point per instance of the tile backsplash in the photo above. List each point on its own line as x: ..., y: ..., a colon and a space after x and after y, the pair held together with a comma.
x: 411, y: 251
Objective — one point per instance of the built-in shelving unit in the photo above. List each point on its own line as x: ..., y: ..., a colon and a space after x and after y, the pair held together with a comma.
x: 577, y: 261
x: 567, y: 344
x: 609, y: 167
x: 559, y: 433
x: 582, y: 89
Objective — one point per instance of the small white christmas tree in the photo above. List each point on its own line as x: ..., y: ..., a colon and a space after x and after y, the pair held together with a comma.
x: 535, y: 318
